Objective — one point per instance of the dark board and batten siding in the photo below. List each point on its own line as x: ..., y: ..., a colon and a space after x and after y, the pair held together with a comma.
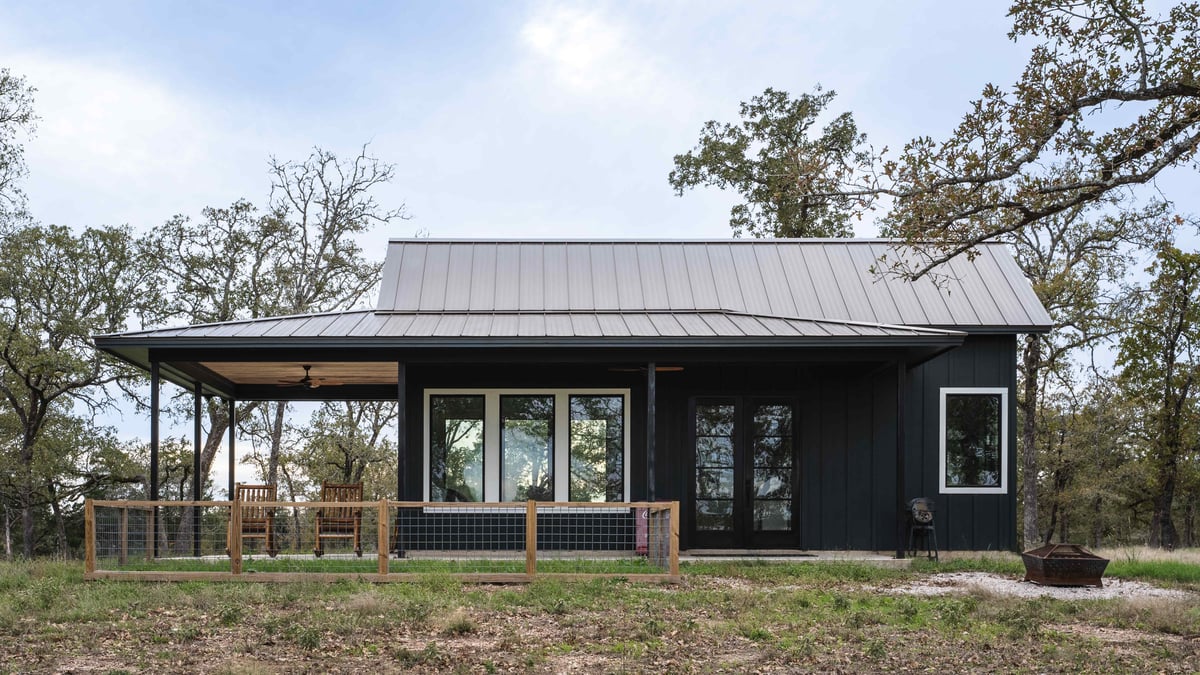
x: 846, y: 451
x: 964, y: 521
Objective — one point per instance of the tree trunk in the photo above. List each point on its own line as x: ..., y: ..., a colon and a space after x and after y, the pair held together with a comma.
x: 1029, y: 464
x: 7, y: 533
x: 1162, y: 527
x: 276, y: 443
x: 64, y: 549
x: 1097, y: 521
x: 1053, y: 524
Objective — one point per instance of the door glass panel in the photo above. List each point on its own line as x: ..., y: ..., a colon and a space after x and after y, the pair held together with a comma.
x: 772, y: 484
x: 772, y: 516
x: 456, y: 448
x: 714, y: 483
x: 526, y: 448
x: 714, y: 466
x: 773, y: 451
x: 714, y: 451
x: 597, y: 449
x: 773, y: 470
x: 714, y: 514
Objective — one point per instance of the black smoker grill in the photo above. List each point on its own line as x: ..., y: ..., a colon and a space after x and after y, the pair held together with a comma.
x: 920, y: 526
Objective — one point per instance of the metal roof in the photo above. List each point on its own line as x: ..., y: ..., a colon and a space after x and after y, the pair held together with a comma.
x: 805, y: 280
x: 369, y: 327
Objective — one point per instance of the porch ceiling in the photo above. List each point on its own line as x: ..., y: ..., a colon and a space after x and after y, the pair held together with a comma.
x: 282, y: 372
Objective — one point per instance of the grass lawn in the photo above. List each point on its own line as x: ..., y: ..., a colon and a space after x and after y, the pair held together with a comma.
x: 723, y: 617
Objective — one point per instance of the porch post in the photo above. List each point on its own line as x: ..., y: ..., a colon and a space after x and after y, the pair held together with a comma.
x: 232, y: 447
x: 401, y: 429
x: 901, y: 504
x: 197, y: 483
x: 152, y: 545
x: 651, y: 395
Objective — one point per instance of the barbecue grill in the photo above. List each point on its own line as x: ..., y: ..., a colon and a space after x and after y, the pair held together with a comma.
x: 920, y: 527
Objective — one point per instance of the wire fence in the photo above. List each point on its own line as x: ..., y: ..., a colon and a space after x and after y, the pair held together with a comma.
x: 380, y: 541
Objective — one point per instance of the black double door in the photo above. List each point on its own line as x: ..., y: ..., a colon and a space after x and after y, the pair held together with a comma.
x: 745, y: 472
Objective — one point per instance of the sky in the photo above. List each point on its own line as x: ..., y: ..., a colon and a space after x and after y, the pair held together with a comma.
x: 503, y: 119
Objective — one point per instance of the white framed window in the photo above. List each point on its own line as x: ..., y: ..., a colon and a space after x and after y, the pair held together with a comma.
x: 506, y: 444
x: 973, y: 440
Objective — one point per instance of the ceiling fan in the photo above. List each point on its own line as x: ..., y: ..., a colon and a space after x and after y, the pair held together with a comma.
x: 308, y: 381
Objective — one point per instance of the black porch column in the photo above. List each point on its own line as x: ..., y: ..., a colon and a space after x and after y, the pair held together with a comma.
x: 901, y: 503
x: 197, y: 483
x: 651, y: 395
x: 401, y: 429
x: 154, y: 406
x: 232, y: 447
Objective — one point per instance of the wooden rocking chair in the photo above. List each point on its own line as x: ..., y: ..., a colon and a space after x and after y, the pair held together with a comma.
x: 258, y: 522
x: 339, y: 522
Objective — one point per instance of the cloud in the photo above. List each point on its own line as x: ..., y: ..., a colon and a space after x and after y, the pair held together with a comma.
x: 116, y: 146
x: 590, y: 54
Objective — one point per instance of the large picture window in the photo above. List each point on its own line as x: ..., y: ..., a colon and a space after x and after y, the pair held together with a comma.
x: 597, y: 449
x: 527, y: 448
x: 511, y: 445
x: 456, y: 448
x: 974, y: 440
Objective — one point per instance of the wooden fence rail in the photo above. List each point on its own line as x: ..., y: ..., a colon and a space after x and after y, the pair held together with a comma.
x: 657, y: 539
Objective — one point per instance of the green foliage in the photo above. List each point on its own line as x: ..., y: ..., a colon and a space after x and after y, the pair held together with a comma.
x: 782, y: 174
x: 16, y: 118
x: 57, y: 290
x: 1160, y: 369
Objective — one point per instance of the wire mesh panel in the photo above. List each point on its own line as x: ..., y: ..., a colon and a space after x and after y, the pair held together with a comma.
x: 459, y: 538
x: 313, y: 537
x: 603, y: 538
x: 162, y: 537
x: 382, y: 541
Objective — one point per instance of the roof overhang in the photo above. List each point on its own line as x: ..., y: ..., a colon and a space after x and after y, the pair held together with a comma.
x: 188, y: 361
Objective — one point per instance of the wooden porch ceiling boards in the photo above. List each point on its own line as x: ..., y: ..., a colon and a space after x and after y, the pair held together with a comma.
x: 273, y: 372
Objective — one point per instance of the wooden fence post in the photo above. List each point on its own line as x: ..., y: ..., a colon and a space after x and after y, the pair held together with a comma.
x: 235, y: 535
x: 674, y: 539
x: 530, y: 539
x: 382, y: 544
x: 123, y: 557
x: 89, y: 538
x: 151, y: 542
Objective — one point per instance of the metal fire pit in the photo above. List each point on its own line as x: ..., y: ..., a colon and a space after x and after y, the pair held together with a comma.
x: 1064, y: 565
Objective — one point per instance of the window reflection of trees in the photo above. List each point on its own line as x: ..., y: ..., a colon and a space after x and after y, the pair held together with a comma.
x: 527, y: 448
x: 972, y: 440
x: 597, y: 449
x: 456, y: 452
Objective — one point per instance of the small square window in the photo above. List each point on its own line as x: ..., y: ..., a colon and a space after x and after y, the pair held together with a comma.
x: 973, y: 439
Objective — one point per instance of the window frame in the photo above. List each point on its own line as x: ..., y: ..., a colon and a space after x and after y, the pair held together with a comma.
x: 492, y: 433
x: 977, y: 391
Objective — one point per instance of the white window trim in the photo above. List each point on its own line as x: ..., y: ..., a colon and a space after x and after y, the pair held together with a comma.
x: 491, y: 435
x: 946, y: 489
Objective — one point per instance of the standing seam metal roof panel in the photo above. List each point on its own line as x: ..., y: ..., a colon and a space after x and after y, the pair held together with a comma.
x: 750, y: 280
x: 676, y: 277
x: 459, y: 269
x: 807, y: 279
x: 604, y: 277
x: 435, y: 277
x: 701, y: 277
x: 579, y: 277
x: 556, y: 282
x: 775, y: 282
